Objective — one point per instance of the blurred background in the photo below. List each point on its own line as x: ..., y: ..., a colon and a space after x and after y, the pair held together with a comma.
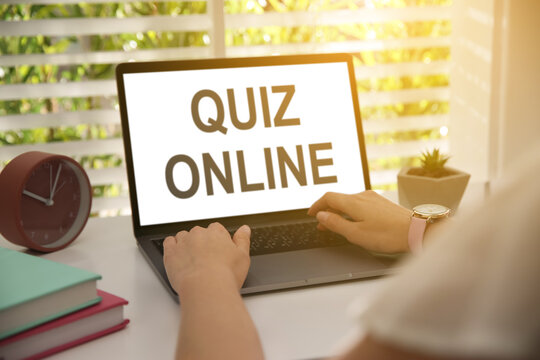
x: 430, y: 73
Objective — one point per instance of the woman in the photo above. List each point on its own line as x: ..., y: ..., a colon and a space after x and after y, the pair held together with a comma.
x: 473, y: 294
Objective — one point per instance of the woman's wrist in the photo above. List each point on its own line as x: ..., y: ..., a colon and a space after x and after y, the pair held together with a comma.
x: 204, y: 282
x: 421, y: 231
x: 424, y: 218
x: 434, y: 228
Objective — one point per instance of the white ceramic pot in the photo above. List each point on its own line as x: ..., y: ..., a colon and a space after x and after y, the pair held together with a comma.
x: 415, y: 190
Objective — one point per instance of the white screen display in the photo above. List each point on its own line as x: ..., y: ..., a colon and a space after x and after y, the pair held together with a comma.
x: 225, y: 142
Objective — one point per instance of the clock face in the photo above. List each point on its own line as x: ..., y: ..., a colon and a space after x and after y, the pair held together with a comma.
x: 55, y: 203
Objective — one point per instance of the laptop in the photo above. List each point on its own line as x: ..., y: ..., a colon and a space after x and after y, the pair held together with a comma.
x: 247, y: 141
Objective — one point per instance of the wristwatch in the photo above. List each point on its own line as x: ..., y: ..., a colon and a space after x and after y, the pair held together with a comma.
x: 422, y: 215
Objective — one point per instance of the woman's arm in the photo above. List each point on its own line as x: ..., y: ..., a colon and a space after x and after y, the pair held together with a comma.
x: 207, y: 268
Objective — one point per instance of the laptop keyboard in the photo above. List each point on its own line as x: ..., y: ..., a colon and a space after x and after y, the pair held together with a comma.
x: 280, y: 238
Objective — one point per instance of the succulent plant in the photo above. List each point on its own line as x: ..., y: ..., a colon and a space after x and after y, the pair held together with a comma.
x: 433, y: 161
x: 433, y: 165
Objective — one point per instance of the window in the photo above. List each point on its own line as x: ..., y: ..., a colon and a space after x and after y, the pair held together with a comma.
x: 58, y: 92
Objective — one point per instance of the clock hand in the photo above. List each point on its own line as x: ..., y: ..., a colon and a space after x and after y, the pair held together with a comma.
x: 50, y: 179
x: 55, y: 182
x: 47, y: 202
x: 60, y: 187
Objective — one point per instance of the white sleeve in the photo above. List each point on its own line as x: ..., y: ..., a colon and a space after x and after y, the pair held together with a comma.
x: 475, y: 291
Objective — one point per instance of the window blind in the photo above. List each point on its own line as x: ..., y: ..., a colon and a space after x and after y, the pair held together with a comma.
x: 402, y: 57
x: 58, y: 92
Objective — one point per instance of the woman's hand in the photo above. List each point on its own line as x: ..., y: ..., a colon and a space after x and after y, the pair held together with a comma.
x: 207, y: 255
x: 376, y: 223
x: 207, y: 268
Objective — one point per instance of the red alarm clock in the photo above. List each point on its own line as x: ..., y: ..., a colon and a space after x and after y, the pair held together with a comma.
x: 45, y: 200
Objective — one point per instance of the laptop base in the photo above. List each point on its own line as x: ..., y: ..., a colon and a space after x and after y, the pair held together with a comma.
x: 296, y: 268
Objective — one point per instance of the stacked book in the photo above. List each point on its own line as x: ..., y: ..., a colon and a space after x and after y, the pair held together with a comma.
x: 47, y: 307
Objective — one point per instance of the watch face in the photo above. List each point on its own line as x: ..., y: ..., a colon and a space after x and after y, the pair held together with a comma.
x: 431, y: 210
x: 55, y: 203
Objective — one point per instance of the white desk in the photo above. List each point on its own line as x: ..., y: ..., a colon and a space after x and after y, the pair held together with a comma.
x: 294, y: 324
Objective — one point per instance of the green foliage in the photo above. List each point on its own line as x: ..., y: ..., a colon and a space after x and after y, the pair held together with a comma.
x: 433, y: 161
x: 332, y: 33
x: 402, y: 82
x: 393, y: 162
x: 258, y: 6
x: 423, y: 107
x: 79, y: 72
x: 402, y: 136
x: 102, y: 10
x: 394, y: 56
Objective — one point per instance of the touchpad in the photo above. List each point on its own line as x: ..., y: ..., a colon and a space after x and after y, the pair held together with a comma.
x: 312, y: 266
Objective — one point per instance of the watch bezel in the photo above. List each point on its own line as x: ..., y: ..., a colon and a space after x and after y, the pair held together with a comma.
x: 418, y: 211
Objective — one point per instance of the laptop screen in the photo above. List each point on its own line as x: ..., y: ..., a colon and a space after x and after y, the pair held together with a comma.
x: 220, y: 142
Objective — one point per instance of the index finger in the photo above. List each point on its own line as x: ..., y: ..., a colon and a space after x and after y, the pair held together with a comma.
x: 242, y: 238
x: 331, y: 200
x: 168, y: 243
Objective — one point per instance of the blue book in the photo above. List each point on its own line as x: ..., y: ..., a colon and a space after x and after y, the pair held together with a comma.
x: 35, y: 290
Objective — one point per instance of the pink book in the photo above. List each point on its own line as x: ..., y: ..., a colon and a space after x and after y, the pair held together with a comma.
x: 67, y: 331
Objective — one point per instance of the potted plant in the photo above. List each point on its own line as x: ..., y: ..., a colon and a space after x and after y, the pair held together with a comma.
x: 432, y: 182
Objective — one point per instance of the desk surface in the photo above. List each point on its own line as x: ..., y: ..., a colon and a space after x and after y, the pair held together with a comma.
x: 294, y: 324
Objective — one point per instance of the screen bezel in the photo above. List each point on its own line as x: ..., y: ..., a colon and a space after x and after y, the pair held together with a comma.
x: 180, y: 65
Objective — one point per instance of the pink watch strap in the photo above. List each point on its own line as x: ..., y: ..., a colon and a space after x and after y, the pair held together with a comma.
x: 416, y: 234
